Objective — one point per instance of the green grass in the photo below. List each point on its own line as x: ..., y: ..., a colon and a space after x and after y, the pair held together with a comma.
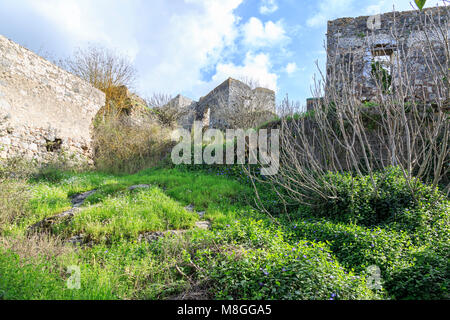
x: 128, y: 215
x: 117, y: 266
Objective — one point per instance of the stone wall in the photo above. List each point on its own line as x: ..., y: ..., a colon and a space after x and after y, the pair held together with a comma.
x: 354, y: 44
x: 187, y: 107
x: 231, y: 95
x: 44, y: 110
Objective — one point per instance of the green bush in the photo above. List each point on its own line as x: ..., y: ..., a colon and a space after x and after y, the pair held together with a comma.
x: 427, y: 278
x: 251, y: 260
x: 407, y: 270
x: 358, y: 247
x: 390, y: 202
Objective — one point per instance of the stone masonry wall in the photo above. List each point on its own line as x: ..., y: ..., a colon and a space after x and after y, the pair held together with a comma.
x: 232, y: 95
x: 354, y: 42
x: 44, y: 110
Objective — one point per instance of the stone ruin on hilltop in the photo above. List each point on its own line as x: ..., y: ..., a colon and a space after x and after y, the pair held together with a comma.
x: 355, y: 44
x: 215, y: 109
x: 43, y: 108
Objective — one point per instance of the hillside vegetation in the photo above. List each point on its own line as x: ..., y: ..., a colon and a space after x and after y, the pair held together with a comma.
x: 125, y: 252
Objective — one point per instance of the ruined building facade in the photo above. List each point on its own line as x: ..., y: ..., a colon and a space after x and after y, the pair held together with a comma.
x: 44, y: 110
x: 216, y: 109
x: 357, y: 45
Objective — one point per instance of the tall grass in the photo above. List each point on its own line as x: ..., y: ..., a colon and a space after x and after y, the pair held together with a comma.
x: 128, y: 148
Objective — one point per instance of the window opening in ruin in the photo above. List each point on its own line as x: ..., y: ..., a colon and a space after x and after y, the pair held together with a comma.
x: 382, y: 62
x: 53, y: 146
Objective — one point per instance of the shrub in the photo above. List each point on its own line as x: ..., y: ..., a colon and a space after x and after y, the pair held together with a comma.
x: 120, y: 147
x: 407, y: 270
x: 14, y: 202
x: 427, y: 278
x: 357, y: 247
x: 391, y: 202
x: 251, y: 260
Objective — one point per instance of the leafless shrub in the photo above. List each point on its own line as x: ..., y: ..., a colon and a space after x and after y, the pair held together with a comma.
x: 124, y: 147
x: 402, y: 126
x: 106, y: 70
x: 101, y: 67
x: 159, y: 100
x: 251, y: 82
x: 167, y: 111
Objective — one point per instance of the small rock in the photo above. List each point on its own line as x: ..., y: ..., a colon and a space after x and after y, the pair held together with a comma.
x: 78, y: 199
x: 77, y: 240
x: 201, y: 214
x: 139, y: 186
x: 155, y: 235
x: 203, y: 225
x: 190, y: 208
x: 47, y: 223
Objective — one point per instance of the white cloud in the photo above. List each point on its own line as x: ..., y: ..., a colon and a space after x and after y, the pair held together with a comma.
x: 268, y: 6
x: 257, y: 67
x: 188, y: 42
x: 258, y: 34
x: 86, y: 21
x: 291, y: 68
x: 333, y: 9
x: 386, y: 5
x: 170, y: 42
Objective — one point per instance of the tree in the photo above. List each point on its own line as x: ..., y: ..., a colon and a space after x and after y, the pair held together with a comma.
x: 106, y: 70
x: 101, y: 67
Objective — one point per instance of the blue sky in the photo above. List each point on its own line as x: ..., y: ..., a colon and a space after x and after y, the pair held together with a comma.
x: 190, y: 46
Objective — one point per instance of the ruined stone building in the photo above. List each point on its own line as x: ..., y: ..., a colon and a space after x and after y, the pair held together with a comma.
x: 357, y: 45
x: 43, y: 109
x: 217, y: 107
x: 46, y: 111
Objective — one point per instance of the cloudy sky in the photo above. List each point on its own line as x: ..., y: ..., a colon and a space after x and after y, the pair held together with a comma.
x: 190, y: 46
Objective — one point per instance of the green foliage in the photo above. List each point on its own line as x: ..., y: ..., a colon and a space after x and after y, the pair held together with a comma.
x: 254, y: 261
x: 40, y: 279
x: 428, y: 276
x: 382, y: 76
x: 357, y: 247
x: 361, y: 35
x: 408, y: 270
x: 128, y: 215
x: 420, y: 3
x: 245, y: 255
x: 390, y: 201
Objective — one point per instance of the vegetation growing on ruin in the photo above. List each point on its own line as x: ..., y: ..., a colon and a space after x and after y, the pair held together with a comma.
x: 343, y: 219
x: 314, y: 254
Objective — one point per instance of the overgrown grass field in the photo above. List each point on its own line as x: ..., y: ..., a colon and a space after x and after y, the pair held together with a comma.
x: 314, y: 253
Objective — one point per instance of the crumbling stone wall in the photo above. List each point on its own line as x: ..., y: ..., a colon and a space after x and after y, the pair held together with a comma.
x: 354, y: 44
x: 44, y: 110
x: 187, y: 107
x: 214, y: 109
